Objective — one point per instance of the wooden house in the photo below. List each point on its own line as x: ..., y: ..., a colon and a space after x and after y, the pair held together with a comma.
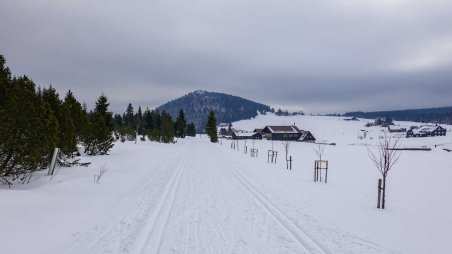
x: 287, y: 132
x: 426, y: 131
x: 306, y: 136
x: 246, y: 135
x: 396, y: 129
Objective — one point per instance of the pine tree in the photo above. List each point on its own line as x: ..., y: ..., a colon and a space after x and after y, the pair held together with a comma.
x: 5, y: 79
x: 148, y: 121
x: 102, y: 108
x: 139, y: 121
x: 167, y: 129
x: 76, y: 113
x: 181, y: 124
x: 129, y: 119
x: 67, y: 138
x: 211, y: 127
x: 67, y: 141
x: 28, y: 132
x: 118, y: 121
x: 99, y: 140
x: 191, y: 130
x: 155, y: 124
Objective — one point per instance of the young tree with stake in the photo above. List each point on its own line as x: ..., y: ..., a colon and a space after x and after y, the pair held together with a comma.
x: 286, y: 144
x: 319, y: 149
x: 384, y: 157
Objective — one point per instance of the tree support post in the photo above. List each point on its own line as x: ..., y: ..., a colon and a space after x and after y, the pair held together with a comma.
x: 379, y: 194
x: 53, y: 161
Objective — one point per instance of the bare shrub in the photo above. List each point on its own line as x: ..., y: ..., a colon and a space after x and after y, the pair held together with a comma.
x: 98, y: 176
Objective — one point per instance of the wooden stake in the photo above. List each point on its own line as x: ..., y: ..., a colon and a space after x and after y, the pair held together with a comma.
x: 379, y: 193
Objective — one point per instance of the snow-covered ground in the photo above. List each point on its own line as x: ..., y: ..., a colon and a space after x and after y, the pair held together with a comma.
x: 199, y: 197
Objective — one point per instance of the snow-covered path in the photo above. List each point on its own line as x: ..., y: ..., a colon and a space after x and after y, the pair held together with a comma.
x: 200, y: 201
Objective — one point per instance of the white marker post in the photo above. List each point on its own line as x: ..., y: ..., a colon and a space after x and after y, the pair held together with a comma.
x: 53, y: 161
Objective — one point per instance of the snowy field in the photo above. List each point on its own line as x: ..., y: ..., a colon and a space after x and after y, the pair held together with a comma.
x: 198, y: 197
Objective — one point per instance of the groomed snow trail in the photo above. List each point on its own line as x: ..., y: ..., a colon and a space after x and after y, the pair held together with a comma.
x: 200, y: 202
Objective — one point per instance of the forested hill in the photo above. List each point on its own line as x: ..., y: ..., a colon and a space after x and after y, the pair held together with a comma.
x: 228, y: 108
x: 432, y: 115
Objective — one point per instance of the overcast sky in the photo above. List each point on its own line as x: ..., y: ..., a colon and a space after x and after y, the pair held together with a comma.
x: 318, y: 56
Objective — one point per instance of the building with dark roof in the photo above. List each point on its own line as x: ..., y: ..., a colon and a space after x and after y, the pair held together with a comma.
x: 287, y: 132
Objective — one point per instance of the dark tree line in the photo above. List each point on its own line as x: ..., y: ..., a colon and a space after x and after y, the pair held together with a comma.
x: 33, y: 121
x: 429, y: 115
x: 157, y: 126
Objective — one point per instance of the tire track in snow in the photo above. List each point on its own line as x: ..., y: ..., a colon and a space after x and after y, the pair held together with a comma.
x: 306, y: 241
x: 151, y: 237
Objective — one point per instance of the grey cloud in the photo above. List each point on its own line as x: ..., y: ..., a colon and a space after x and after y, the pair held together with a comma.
x: 319, y: 56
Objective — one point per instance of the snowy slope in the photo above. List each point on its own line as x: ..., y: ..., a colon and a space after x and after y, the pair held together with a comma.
x: 198, y: 197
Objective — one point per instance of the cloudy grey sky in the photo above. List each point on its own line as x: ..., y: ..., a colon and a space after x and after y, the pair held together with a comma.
x: 318, y: 56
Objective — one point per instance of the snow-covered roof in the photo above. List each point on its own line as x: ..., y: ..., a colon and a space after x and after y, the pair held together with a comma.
x: 285, y: 129
x: 244, y: 134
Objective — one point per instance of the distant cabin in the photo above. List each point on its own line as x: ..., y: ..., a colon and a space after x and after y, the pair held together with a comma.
x: 306, y: 136
x: 246, y: 135
x: 288, y: 132
x: 258, y: 130
x: 426, y: 131
x: 396, y: 129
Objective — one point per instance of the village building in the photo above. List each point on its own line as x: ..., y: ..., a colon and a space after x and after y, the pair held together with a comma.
x: 426, y: 131
x: 396, y: 129
x: 288, y: 132
x: 258, y: 130
x: 306, y: 136
x: 246, y: 135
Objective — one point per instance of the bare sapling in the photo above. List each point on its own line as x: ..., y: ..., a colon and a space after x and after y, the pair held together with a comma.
x: 98, y: 176
x: 384, y: 156
x: 286, y: 144
x: 320, y: 164
x: 319, y: 150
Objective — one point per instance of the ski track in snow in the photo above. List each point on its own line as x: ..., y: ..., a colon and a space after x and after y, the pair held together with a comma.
x: 157, y: 223
x: 306, y: 240
x: 199, y: 202
x: 309, y: 244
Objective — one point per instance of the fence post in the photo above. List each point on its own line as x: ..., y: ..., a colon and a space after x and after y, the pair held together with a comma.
x: 379, y: 193
x: 315, y: 167
x: 326, y: 172
x: 290, y: 162
x: 53, y: 161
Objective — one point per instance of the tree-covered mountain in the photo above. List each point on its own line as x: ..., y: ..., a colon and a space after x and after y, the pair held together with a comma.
x: 432, y: 115
x: 227, y: 108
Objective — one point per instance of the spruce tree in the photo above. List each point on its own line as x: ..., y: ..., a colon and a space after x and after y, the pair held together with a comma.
x: 191, y: 130
x: 99, y: 139
x: 76, y: 113
x: 148, y: 121
x: 67, y: 141
x: 167, y: 129
x: 181, y: 124
x: 128, y: 130
x: 102, y: 108
x: 155, y: 130
x: 139, y: 121
x: 28, y: 130
x: 211, y: 127
x: 129, y: 119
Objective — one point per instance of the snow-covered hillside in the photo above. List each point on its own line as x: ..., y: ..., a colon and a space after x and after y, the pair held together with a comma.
x: 199, y: 197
